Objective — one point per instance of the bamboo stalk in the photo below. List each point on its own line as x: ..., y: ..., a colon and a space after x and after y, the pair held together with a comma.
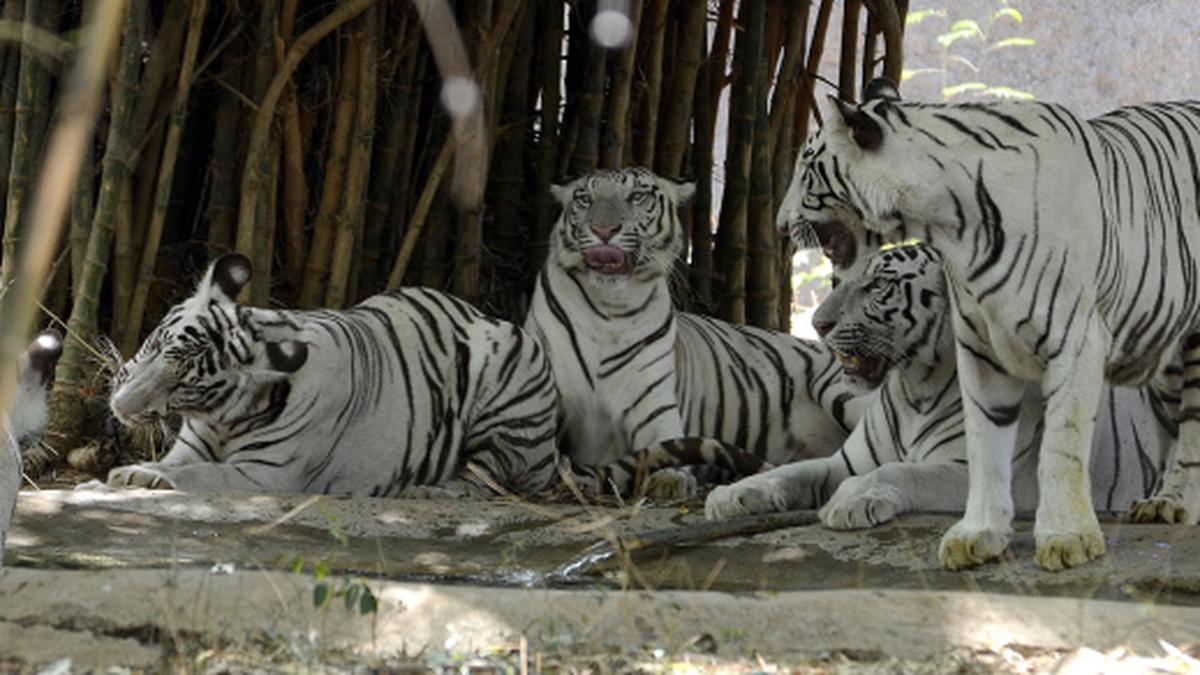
x: 847, y: 61
x: 166, y: 175
x: 890, y: 19
x: 761, y: 285
x: 719, y: 60
x: 807, y: 104
x: 784, y: 99
x: 316, y: 271
x: 546, y: 161
x: 620, y: 79
x: 389, y: 187
x: 732, y: 235
x: 676, y: 124
x: 255, y: 174
x: 417, y: 222
x: 13, y: 11
x: 590, y: 104
x: 221, y: 212
x: 81, y: 100
x: 348, y: 223
x: 31, y: 116
x: 656, y: 25
x: 701, y: 272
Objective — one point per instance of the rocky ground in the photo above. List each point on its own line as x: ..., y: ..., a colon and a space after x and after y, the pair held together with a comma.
x: 163, y: 581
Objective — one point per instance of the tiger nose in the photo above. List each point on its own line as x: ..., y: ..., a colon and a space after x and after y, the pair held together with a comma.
x: 823, y: 327
x: 605, y: 232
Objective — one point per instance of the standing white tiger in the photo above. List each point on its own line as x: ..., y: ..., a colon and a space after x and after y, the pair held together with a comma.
x: 1069, y: 249
x: 891, y: 328
x: 633, y: 371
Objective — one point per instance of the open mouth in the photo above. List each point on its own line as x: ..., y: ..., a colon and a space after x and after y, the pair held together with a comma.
x: 837, y: 243
x: 606, y: 260
x: 870, y: 369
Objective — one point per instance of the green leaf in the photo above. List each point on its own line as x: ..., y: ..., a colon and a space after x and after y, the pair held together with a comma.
x: 967, y: 25
x: 957, y: 89
x: 909, y: 73
x: 1007, y: 92
x: 319, y: 571
x: 298, y: 566
x: 1010, y: 12
x: 351, y: 594
x: 947, y: 39
x: 920, y: 15
x: 320, y: 595
x: 367, y: 604
x: 1013, y: 42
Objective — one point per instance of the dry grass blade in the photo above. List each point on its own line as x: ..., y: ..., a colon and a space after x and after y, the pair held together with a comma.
x: 63, y: 157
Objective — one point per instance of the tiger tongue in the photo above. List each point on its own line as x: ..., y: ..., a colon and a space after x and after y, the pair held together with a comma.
x: 606, y: 259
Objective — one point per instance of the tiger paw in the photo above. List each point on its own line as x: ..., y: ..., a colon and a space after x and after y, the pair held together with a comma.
x: 671, y: 485
x: 1161, y: 509
x: 140, y: 476
x: 1059, y: 551
x: 757, y: 494
x: 967, y: 545
x: 860, y: 503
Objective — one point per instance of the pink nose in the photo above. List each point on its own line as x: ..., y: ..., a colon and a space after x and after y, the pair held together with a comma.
x: 605, y: 232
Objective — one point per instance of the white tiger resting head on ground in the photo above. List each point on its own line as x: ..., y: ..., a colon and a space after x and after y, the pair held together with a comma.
x: 1054, y: 231
x: 26, y: 420
x: 891, y: 329
x: 398, y: 392
x: 633, y: 371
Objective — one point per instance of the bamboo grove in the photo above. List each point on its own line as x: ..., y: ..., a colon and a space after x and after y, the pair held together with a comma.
x: 311, y: 135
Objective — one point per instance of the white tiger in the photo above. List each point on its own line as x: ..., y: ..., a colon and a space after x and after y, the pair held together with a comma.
x: 26, y: 420
x: 399, y: 391
x: 632, y: 371
x: 1069, y: 246
x: 891, y: 329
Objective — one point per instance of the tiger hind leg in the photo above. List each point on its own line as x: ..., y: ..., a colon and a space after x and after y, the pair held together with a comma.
x: 1178, y: 498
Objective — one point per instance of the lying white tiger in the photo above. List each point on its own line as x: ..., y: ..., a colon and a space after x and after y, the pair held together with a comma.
x: 891, y: 329
x: 1070, y: 249
x: 632, y: 371
x: 400, y: 391
x: 26, y: 420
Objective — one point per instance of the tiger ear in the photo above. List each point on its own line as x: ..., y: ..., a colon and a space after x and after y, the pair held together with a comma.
x: 862, y: 128
x: 287, y: 356
x: 881, y: 87
x: 227, y: 276
x: 681, y: 193
x: 563, y: 194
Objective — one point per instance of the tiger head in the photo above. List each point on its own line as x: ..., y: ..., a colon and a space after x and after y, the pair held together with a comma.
x: 618, y: 225
x: 829, y: 208
x: 203, y: 351
x: 893, y: 315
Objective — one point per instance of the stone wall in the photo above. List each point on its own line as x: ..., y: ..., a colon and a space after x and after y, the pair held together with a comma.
x: 1092, y: 55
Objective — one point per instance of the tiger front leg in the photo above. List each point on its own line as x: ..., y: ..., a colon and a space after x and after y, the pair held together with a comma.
x: 190, y: 447
x: 799, y: 485
x: 1178, y: 498
x: 1066, y: 530
x: 991, y: 411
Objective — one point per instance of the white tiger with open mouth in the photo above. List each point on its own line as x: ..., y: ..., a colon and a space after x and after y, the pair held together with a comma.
x: 890, y: 326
